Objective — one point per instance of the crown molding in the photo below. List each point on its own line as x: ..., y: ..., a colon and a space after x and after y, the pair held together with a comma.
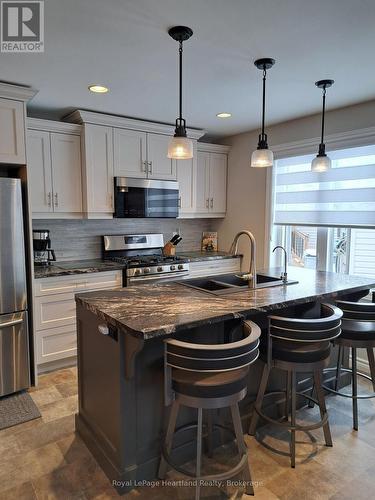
x: 342, y: 140
x: 53, y: 126
x: 206, y: 147
x: 81, y: 116
x: 17, y: 92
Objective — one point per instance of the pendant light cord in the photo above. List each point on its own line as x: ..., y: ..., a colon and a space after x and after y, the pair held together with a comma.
x: 264, y: 101
x: 323, y: 114
x: 180, y: 74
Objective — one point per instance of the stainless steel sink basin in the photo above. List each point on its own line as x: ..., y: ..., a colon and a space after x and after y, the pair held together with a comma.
x: 224, y: 284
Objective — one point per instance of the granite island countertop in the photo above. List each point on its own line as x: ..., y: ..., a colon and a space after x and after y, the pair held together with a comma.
x: 67, y: 268
x: 161, y: 309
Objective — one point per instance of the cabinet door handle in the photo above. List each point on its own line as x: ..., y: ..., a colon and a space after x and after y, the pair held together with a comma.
x: 49, y: 200
x: 103, y: 329
x: 212, y: 203
x: 150, y: 167
x: 56, y: 200
x: 179, y: 202
x: 207, y: 203
x: 144, y: 166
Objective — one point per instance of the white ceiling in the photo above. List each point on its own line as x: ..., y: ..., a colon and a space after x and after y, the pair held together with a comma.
x: 124, y: 44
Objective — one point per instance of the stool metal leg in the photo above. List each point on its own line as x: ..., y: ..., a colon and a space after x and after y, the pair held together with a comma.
x: 322, y: 405
x: 199, y: 453
x: 259, y: 400
x: 338, y: 369
x: 242, y: 448
x: 163, y: 467
x: 354, y: 388
x: 371, y: 362
x: 293, y: 419
x: 287, y: 394
x: 209, y: 434
x: 310, y: 403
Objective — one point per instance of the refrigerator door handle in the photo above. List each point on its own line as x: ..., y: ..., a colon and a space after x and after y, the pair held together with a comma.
x: 11, y: 323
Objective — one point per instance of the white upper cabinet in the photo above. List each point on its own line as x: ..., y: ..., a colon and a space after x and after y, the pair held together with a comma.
x: 39, y: 171
x: 13, y: 100
x: 66, y: 172
x: 186, y: 173
x: 98, y: 171
x: 54, y: 171
x: 142, y: 155
x: 218, y: 183
x: 12, y: 132
x: 211, y: 181
x: 202, y: 183
x: 130, y: 156
x: 159, y: 166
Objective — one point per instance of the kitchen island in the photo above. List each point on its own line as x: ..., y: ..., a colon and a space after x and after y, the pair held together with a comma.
x: 120, y: 358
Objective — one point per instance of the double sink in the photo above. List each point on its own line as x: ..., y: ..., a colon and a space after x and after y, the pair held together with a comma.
x: 224, y: 284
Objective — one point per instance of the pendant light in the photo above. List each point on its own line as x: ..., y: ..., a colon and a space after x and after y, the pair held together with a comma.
x: 262, y: 156
x: 322, y: 162
x: 180, y: 147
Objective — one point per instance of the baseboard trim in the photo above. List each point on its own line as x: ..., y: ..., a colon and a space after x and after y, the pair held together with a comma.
x: 56, y: 365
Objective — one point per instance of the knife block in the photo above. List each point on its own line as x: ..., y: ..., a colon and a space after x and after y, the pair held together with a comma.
x: 169, y: 250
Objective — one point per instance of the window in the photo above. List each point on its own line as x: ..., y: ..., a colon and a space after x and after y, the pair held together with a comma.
x: 326, y: 221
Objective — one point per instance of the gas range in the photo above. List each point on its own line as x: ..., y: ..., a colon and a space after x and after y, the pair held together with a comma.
x: 142, y: 258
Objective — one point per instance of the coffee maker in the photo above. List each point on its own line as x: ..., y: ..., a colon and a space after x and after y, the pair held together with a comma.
x: 43, y: 253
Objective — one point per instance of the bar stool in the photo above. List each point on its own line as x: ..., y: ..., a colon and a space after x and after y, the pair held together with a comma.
x: 358, y: 332
x: 206, y: 377
x: 298, y: 345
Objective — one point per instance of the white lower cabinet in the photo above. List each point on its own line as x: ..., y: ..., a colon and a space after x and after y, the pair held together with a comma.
x: 55, y: 311
x: 56, y: 344
x: 215, y: 266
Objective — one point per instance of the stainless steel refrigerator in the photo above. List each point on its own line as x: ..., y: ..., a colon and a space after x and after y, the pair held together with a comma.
x: 14, y: 333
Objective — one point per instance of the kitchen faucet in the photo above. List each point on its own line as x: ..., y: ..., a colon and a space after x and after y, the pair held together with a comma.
x: 251, y: 276
x: 284, y: 275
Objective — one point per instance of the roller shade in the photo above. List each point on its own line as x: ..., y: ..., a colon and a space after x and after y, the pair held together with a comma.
x: 342, y: 196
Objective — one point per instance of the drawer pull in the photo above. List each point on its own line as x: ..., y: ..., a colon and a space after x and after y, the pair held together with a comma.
x: 103, y: 329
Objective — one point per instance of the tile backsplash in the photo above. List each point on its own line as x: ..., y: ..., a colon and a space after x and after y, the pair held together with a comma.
x: 81, y: 239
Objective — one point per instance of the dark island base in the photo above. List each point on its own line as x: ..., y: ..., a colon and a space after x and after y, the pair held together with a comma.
x: 122, y: 419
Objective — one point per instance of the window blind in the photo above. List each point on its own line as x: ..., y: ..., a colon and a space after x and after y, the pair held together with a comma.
x: 342, y: 196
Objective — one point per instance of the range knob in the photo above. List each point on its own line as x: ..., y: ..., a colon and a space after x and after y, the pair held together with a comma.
x: 160, y: 269
x: 180, y: 266
x: 146, y: 270
x: 172, y: 268
x: 137, y: 271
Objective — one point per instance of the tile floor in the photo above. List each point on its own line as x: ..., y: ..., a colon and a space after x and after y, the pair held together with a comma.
x: 44, y: 459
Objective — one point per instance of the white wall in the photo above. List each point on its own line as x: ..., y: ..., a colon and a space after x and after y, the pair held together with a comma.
x: 247, y: 186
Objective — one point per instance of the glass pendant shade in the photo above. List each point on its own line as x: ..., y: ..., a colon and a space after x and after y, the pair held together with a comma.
x: 321, y: 163
x: 262, y: 158
x: 180, y: 148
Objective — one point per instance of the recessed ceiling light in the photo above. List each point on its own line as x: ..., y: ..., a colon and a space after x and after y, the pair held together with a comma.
x: 224, y: 115
x: 98, y: 89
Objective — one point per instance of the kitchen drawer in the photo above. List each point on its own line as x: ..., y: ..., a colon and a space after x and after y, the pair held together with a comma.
x: 54, y: 311
x: 78, y: 282
x: 55, y: 344
x: 97, y: 281
x: 212, y: 267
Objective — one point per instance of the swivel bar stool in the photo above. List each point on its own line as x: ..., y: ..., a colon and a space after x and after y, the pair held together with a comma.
x: 205, y: 376
x: 298, y: 345
x: 358, y: 332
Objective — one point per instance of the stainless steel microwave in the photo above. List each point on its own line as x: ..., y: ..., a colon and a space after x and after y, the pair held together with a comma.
x: 135, y: 198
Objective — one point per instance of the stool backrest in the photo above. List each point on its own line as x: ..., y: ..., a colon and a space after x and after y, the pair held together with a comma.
x: 214, y: 357
x: 358, y: 316
x: 316, y: 332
